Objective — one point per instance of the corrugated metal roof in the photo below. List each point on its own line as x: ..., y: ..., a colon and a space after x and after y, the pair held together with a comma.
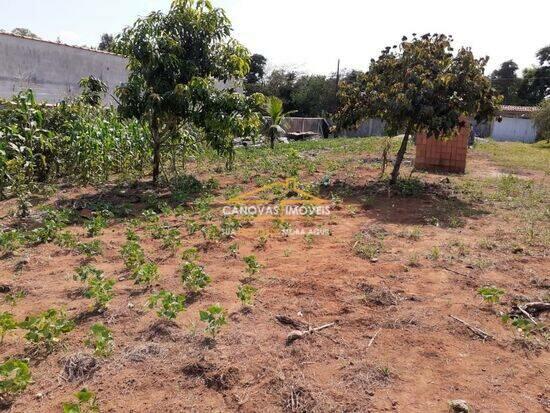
x: 89, y: 49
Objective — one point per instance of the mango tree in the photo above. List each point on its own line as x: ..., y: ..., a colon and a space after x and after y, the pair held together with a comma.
x: 175, y: 61
x: 420, y: 85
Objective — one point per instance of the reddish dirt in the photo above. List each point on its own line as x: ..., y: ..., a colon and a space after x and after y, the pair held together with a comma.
x: 393, y: 348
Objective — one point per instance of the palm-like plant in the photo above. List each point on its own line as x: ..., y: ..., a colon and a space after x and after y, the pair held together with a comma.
x: 277, y: 117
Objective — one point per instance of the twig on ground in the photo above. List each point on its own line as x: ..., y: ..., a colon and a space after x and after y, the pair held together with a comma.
x: 373, y: 338
x: 475, y: 330
x: 456, y: 272
x: 302, y: 329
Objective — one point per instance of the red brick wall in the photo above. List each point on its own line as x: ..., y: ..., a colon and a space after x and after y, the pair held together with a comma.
x: 443, y: 155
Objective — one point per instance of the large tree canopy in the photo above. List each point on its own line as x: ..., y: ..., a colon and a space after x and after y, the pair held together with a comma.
x: 506, y: 82
x: 175, y: 60
x: 419, y: 85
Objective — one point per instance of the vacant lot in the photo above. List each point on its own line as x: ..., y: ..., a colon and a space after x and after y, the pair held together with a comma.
x: 388, y: 268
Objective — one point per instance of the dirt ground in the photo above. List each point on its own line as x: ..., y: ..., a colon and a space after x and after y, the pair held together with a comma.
x: 393, y: 347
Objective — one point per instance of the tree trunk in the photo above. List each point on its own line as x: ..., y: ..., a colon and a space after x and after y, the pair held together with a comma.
x: 272, y: 139
x: 156, y: 150
x: 400, y: 156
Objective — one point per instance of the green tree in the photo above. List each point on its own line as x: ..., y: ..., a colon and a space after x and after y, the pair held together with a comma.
x: 506, y: 82
x: 22, y: 31
x: 542, y: 120
x: 535, y: 86
x: 314, y: 96
x: 174, y: 60
x: 419, y: 85
x: 107, y: 43
x: 256, y: 73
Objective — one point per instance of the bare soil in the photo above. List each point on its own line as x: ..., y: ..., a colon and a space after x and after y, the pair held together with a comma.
x: 394, y: 346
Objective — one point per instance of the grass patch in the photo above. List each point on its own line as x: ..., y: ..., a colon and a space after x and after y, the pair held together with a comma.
x: 517, y: 155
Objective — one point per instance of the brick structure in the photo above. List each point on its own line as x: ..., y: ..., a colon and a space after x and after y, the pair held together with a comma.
x: 444, y: 154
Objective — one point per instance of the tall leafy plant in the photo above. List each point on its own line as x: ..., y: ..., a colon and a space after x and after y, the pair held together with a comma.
x: 277, y: 117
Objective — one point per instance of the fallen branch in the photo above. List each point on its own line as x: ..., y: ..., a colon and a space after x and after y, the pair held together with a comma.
x: 532, y: 309
x: 475, y: 330
x: 456, y: 272
x: 301, y: 329
x: 373, y: 338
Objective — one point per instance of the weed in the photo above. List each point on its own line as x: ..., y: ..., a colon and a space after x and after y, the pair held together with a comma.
x: 192, y: 227
x: 86, y: 403
x: 456, y: 222
x: 194, y: 277
x: 211, y: 233
x: 413, y: 234
x: 253, y: 267
x: 46, y: 328
x: 491, y: 294
x: 366, y: 248
x: 261, y: 242
x: 414, y: 260
x: 15, y: 376
x: 434, y: 254
x: 246, y: 293
x: 11, y: 241
x: 150, y: 216
x: 7, y: 323
x: 409, y: 187
x: 234, y: 250
x: 131, y: 235
x: 170, y: 304
x: 12, y: 298
x: 309, y: 238
x: 487, y: 244
x: 101, y: 340
x: 215, y: 317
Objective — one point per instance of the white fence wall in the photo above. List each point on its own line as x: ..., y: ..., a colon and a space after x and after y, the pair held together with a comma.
x: 514, y: 129
x: 54, y: 70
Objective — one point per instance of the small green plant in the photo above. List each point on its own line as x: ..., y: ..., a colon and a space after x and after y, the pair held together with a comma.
x: 145, y: 274
x: 215, y: 318
x: 246, y: 293
x: 150, y: 216
x: 190, y: 254
x: 14, y: 297
x: 491, y: 294
x: 15, y: 376
x: 413, y: 234
x: 261, y: 242
x: 192, y: 227
x: 66, y: 239
x: 46, y: 328
x: 229, y: 226
x: 170, y: 304
x: 133, y: 255
x: 193, y: 277
x: 101, y: 290
x: 86, y: 403
x: 456, y: 222
x: 96, y: 225
x: 211, y: 233
x: 131, y: 235
x: 308, y: 239
x: 90, y: 249
x: 101, y: 340
x: 253, y: 267
x: 234, y: 250
x: 84, y: 272
x: 414, y: 260
x: 434, y: 254
x: 11, y: 241
x: 367, y: 248
x: 7, y: 323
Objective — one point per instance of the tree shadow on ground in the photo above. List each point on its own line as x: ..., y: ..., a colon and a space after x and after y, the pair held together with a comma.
x: 410, y: 202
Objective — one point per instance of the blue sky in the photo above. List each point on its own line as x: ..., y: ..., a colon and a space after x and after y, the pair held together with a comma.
x: 310, y: 35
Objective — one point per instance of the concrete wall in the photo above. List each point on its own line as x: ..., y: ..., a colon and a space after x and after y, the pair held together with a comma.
x: 54, y: 70
x: 514, y: 129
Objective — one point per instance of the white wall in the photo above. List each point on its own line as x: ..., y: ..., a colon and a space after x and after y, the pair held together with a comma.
x: 54, y: 70
x: 514, y: 129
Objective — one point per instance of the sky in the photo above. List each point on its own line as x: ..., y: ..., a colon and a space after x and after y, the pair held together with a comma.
x: 311, y: 35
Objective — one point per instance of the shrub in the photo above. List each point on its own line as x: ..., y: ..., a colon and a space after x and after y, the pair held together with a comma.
x: 190, y: 254
x: 145, y: 274
x: 133, y: 255
x: 215, y: 318
x: 11, y: 241
x: 84, y: 272
x: 46, y: 328
x: 170, y: 304
x: 101, y: 340
x: 193, y: 277
x: 96, y: 225
x: 90, y: 249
